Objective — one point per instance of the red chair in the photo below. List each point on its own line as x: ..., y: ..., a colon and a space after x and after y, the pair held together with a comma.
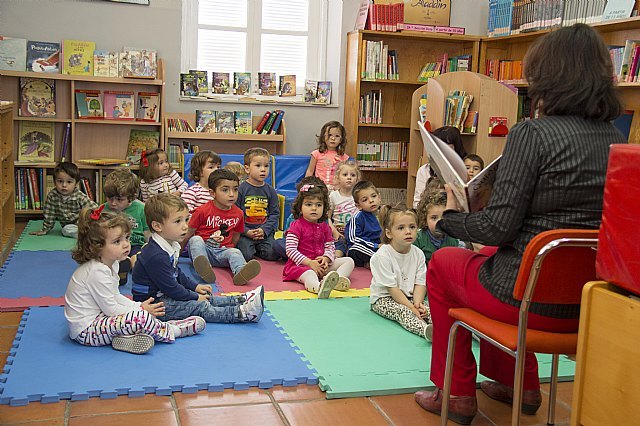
x: 555, y: 266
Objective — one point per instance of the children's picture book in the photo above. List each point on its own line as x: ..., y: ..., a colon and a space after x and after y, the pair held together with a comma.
x: 101, y: 60
x: 324, y: 93
x: 310, y: 90
x: 498, y: 126
x: 277, y: 122
x: 114, y: 67
x: 94, y: 104
x: 225, y: 122
x: 77, y: 57
x: 118, y: 105
x: 472, y: 195
x: 220, y: 83
x: 138, y: 62
x: 267, y: 83
x: 287, y: 85
x: 37, y: 97
x: 206, y: 121
x: 13, y: 53
x: 36, y: 142
x: 188, y: 84
x: 203, y: 81
x: 148, y: 107
x: 139, y: 141
x: 241, y: 83
x: 43, y: 56
x: 262, y: 123
x: 104, y: 162
x: 244, y: 122
x: 471, y: 123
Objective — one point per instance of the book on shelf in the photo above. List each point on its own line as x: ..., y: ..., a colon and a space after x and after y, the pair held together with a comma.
x: 287, y: 85
x: 379, y: 63
x: 93, y: 98
x: 138, y: 62
x: 179, y: 125
x: 139, y: 141
x: 310, y: 90
x: 104, y: 162
x: 277, y: 122
x: 371, y: 107
x: 470, y: 124
x: 472, y: 195
x: 262, y: 122
x: 148, y: 108
x: 101, y: 63
x: 43, y: 56
x: 387, y: 17
x: 188, y: 84
x: 175, y: 156
x: 220, y: 83
x: 225, y: 122
x: 203, y: 81
x: 85, y: 186
x: 118, y: 105
x: 37, y: 97
x: 243, y: 122
x: 82, y: 108
x: 323, y: 96
x: 36, y: 142
x: 13, y: 54
x: 617, y: 9
x: 269, y: 123
x: 66, y: 141
x: 77, y: 57
x: 267, y: 84
x: 242, y: 83
x: 206, y: 121
x: 30, y: 188
x: 456, y: 108
x: 382, y: 154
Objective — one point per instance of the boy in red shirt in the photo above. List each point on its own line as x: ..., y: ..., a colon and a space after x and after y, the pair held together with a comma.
x: 214, y: 230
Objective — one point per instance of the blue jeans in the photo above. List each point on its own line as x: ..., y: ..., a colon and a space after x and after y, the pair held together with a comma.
x: 225, y: 309
x: 279, y: 248
x: 260, y: 248
x: 218, y: 256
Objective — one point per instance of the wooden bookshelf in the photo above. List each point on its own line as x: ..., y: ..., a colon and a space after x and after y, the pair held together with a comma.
x: 7, y: 194
x: 414, y: 50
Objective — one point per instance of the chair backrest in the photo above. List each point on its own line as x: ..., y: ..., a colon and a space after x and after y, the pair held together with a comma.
x: 618, y: 260
x: 558, y: 263
x: 289, y: 170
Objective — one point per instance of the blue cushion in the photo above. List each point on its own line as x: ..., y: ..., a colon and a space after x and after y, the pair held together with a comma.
x: 289, y: 170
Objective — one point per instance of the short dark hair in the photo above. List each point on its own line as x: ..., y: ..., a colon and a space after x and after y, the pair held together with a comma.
x: 569, y: 72
x: 69, y: 168
x: 361, y: 186
x: 451, y: 135
x: 255, y: 152
x: 198, y: 162
x: 312, y: 189
x: 219, y: 175
x: 476, y: 158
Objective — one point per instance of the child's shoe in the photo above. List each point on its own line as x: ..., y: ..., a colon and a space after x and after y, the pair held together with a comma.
x: 203, y: 268
x: 188, y: 326
x: 253, y: 308
x: 250, y: 295
x: 428, y: 332
x: 135, y: 343
x: 328, y: 283
x: 247, y: 273
x: 344, y: 284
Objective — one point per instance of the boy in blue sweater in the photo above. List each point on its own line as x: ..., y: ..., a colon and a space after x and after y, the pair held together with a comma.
x: 363, y: 231
x: 156, y: 273
x: 259, y: 203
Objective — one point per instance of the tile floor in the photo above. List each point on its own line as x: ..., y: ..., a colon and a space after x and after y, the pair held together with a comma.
x: 302, y: 405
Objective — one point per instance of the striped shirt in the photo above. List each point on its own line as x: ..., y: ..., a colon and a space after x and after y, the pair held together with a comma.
x: 64, y: 209
x: 195, y: 196
x: 551, y: 176
x: 168, y: 183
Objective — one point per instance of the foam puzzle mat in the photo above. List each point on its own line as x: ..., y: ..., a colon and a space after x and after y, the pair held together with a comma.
x: 224, y: 356
x: 54, y: 240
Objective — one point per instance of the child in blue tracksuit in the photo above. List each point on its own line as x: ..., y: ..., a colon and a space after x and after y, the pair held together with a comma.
x: 362, y: 232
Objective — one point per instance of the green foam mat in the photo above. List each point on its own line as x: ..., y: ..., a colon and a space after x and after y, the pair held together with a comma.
x: 358, y: 353
x: 51, y: 242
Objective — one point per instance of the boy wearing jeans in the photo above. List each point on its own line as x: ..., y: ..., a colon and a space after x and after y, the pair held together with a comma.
x: 156, y: 273
x: 214, y: 230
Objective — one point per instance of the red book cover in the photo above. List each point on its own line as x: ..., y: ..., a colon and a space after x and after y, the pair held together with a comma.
x: 634, y: 64
x: 265, y: 117
x: 369, y: 25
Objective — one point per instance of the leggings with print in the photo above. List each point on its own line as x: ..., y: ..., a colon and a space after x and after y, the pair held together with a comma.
x: 390, y: 309
x: 104, y: 328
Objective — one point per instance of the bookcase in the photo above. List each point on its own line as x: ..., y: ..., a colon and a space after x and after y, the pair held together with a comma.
x: 90, y: 138
x: 413, y: 51
x: 225, y: 143
x: 490, y: 99
x: 7, y: 207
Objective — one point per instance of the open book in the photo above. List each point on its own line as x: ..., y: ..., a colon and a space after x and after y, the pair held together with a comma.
x: 445, y: 162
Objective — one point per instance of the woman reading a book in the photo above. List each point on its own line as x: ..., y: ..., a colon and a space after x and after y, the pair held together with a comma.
x: 551, y: 176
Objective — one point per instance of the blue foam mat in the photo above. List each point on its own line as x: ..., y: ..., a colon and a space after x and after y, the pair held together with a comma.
x: 45, y: 365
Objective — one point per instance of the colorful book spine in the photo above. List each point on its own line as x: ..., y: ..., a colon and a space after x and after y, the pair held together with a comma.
x: 276, y: 123
x: 269, y: 124
x: 263, y: 121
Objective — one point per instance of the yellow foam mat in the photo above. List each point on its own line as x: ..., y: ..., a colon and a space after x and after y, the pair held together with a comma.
x: 303, y: 294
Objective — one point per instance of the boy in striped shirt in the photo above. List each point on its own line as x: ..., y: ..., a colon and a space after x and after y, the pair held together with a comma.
x: 202, y: 164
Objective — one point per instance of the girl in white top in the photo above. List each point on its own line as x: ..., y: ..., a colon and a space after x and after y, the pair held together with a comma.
x: 341, y: 203
x: 96, y: 312
x: 398, y: 286
x: 156, y: 175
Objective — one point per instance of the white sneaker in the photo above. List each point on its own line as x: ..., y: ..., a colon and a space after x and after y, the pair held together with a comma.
x: 135, y: 343
x: 329, y: 282
x: 344, y: 284
x: 189, y: 326
x: 253, y: 308
x: 257, y: 292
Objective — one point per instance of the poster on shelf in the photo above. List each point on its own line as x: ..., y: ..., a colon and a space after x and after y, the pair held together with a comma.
x: 427, y: 12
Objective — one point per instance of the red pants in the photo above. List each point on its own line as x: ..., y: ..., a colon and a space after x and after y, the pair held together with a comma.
x: 452, y: 282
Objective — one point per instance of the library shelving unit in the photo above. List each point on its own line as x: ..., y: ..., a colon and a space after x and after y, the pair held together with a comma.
x: 413, y: 51
x: 90, y: 138
x: 490, y: 99
x: 225, y: 143
x: 7, y: 197
x: 614, y: 33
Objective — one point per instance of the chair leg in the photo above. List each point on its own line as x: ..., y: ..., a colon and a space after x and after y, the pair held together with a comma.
x: 517, y: 387
x: 553, y: 391
x: 446, y: 391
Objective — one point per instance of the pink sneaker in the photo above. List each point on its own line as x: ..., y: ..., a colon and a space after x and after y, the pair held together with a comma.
x: 189, y: 326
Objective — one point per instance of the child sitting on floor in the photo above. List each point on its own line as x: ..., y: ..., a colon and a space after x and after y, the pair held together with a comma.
x: 156, y: 175
x: 237, y: 169
x: 429, y: 238
x: 342, y: 205
x: 363, y: 229
x: 398, y: 285
x: 156, y: 273
x: 65, y: 201
x: 95, y: 310
x: 310, y: 246
x: 201, y: 166
x: 474, y: 164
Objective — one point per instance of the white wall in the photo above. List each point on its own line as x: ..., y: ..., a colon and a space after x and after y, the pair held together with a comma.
x: 114, y: 25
